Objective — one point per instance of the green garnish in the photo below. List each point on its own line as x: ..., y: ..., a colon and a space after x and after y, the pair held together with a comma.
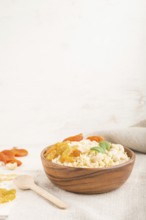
x: 103, y: 146
x: 99, y: 149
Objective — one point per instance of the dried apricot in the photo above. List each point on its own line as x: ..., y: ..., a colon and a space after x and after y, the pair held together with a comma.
x: 8, y: 156
x: 95, y: 138
x: 75, y: 153
x: 77, y: 137
x: 19, y: 152
x: 3, y: 157
x: 9, y: 153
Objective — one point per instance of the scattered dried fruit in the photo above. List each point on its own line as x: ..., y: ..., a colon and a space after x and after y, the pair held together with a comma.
x: 8, y: 156
x: 7, y: 195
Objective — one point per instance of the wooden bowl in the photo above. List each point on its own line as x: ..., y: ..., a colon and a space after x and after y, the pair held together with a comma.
x: 88, y: 180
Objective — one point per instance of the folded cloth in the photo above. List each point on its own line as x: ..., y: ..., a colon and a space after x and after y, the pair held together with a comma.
x: 133, y: 137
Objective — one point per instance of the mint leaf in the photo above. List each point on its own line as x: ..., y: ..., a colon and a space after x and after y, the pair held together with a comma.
x: 105, y: 145
x: 99, y: 149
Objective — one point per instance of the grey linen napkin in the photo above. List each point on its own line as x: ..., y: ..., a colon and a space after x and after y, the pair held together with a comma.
x: 133, y: 137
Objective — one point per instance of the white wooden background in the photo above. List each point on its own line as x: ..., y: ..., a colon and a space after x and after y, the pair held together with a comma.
x: 70, y: 66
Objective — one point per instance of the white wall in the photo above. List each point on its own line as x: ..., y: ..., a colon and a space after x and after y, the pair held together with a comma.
x: 70, y: 66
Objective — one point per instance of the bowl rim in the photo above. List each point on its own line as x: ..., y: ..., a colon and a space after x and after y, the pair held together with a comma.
x: 132, y: 160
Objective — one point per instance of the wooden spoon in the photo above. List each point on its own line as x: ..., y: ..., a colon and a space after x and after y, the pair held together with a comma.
x: 27, y: 182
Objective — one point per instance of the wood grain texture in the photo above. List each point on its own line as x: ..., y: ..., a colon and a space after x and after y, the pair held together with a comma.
x: 88, y: 180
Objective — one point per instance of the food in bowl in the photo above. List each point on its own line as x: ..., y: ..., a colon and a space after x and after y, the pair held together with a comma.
x: 90, y: 152
x: 60, y: 165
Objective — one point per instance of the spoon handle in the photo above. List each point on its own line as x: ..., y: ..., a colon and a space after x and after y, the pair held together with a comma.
x: 48, y: 196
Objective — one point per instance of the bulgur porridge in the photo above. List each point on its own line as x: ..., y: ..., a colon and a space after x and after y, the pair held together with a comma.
x: 90, y: 152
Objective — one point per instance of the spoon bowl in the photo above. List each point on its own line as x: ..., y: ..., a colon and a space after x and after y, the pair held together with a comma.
x: 24, y: 181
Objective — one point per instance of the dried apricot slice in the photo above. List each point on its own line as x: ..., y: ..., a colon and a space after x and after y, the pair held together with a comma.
x: 75, y: 153
x: 6, y: 156
x: 77, y: 137
x: 95, y: 138
x: 8, y: 153
x: 3, y: 157
x: 19, y: 152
